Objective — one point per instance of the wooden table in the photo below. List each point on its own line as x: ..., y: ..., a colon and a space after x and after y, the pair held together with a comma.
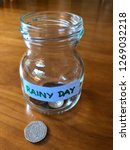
x: 88, y: 126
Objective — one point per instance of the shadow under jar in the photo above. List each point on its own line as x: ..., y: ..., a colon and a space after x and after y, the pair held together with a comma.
x: 51, y: 70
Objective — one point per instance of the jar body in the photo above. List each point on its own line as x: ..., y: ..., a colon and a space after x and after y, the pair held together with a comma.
x: 51, y: 76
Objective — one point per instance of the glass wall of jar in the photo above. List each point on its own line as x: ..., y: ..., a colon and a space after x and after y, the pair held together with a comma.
x: 51, y: 70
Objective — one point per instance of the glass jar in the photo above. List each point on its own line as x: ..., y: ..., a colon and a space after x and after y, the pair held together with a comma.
x: 51, y: 70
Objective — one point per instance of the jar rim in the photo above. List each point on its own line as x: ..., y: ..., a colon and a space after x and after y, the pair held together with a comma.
x: 51, y: 25
x: 22, y: 18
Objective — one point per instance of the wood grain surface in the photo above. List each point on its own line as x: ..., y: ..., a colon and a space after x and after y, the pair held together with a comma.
x: 88, y: 126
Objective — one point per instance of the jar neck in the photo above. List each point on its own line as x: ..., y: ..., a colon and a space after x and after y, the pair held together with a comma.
x: 51, y: 48
x: 51, y: 30
x: 62, y: 43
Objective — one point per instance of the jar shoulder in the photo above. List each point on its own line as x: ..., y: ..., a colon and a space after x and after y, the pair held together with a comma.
x: 47, y: 68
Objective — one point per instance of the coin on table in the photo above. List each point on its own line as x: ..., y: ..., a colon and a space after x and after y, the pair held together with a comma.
x: 35, y: 131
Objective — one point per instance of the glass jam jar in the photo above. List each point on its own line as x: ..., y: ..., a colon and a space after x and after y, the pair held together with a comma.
x: 51, y: 70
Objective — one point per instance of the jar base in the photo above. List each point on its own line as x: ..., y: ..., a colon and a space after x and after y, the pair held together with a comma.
x: 54, y: 111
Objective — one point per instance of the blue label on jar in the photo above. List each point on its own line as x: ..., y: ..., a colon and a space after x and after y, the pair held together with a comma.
x: 52, y: 94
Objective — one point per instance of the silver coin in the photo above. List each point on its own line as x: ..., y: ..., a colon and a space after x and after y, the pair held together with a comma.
x: 56, y: 104
x: 35, y: 131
